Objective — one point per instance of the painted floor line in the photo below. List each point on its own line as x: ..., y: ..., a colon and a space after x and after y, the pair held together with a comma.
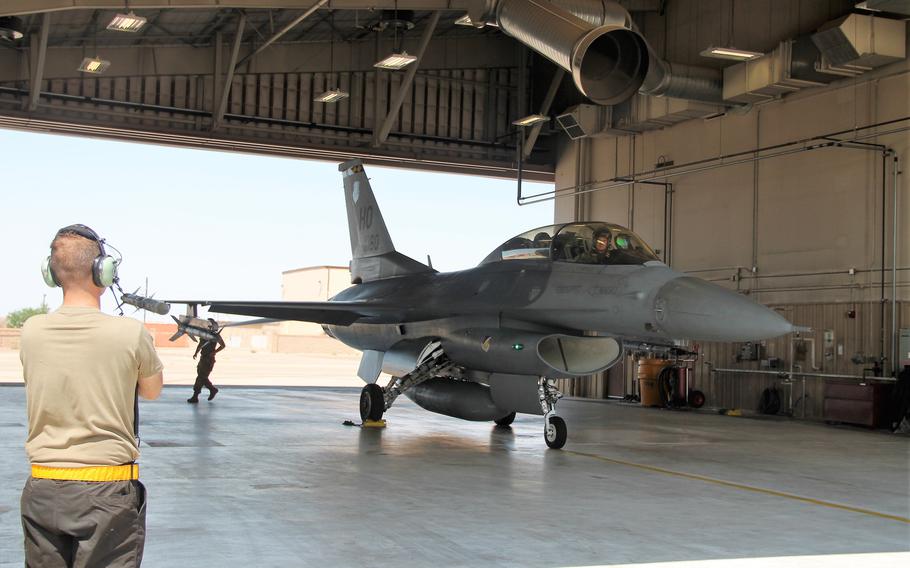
x: 744, y: 487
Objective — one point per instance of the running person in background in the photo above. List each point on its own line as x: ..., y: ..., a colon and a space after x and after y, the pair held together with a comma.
x: 204, y: 368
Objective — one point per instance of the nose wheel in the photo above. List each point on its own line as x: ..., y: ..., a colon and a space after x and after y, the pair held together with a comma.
x: 372, y: 402
x: 554, y: 430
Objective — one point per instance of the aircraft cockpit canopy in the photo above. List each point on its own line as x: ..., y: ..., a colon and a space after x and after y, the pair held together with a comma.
x: 579, y: 243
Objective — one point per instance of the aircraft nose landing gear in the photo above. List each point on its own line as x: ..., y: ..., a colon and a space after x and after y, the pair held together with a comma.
x: 555, y: 431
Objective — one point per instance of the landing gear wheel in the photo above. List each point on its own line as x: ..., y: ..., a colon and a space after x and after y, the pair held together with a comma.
x: 372, y: 402
x: 505, y: 420
x: 696, y: 399
x: 555, y: 432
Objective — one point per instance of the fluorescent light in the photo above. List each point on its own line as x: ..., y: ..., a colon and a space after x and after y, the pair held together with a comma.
x: 396, y: 61
x: 126, y: 23
x: 464, y: 21
x: 531, y: 119
x: 730, y: 53
x: 94, y: 65
x: 331, y: 96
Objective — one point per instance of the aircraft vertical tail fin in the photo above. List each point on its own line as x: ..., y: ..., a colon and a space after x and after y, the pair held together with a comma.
x: 373, y: 256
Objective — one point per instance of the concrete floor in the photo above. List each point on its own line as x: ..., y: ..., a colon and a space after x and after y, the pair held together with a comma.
x: 271, y: 477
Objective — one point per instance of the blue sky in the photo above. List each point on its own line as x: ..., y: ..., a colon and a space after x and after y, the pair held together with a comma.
x: 215, y: 225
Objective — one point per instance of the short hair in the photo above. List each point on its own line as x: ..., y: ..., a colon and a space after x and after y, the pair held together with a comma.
x: 72, y: 256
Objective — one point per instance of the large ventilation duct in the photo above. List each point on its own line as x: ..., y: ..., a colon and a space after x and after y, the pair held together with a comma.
x: 608, y: 63
x: 663, y: 78
x: 682, y: 81
x: 597, y: 43
x: 860, y: 43
x: 845, y: 47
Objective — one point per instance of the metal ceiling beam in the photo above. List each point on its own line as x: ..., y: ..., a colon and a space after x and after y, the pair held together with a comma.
x: 293, y: 23
x: 145, y: 30
x: 38, y: 70
x: 19, y: 7
x: 382, y: 134
x: 544, y: 109
x: 229, y: 79
x: 90, y: 29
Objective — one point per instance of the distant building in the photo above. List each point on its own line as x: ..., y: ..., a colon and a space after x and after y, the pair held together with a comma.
x: 311, y: 284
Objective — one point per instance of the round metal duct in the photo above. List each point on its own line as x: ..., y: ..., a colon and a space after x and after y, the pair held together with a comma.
x: 608, y: 63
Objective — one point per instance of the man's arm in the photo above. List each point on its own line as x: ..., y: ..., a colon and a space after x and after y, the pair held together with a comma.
x: 221, y: 344
x: 150, y: 387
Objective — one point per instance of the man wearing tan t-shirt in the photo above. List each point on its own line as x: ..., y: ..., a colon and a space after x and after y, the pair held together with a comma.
x: 84, y: 506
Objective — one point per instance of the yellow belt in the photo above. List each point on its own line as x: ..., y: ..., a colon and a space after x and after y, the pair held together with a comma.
x: 99, y: 473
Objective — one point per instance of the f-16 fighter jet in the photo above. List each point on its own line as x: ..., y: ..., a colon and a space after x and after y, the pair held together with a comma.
x: 562, y: 301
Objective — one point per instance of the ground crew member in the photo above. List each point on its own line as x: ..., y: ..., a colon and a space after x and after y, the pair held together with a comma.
x: 83, y: 505
x: 204, y: 368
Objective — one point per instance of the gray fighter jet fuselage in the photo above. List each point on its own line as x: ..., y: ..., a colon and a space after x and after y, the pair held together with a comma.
x: 562, y: 301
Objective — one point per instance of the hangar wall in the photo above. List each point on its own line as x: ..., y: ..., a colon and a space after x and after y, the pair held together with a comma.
x: 802, y: 232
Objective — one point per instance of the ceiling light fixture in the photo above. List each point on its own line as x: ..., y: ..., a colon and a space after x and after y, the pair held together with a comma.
x: 11, y: 28
x: 94, y: 65
x: 531, y: 119
x: 396, y: 61
x: 126, y: 23
x: 730, y: 53
x: 331, y: 96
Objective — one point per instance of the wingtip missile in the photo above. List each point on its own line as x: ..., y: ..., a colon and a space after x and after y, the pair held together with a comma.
x: 148, y: 304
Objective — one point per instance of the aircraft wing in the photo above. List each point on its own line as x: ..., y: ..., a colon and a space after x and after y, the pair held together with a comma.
x: 334, y: 313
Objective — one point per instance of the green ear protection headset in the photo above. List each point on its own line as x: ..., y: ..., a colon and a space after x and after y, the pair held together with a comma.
x: 104, y: 267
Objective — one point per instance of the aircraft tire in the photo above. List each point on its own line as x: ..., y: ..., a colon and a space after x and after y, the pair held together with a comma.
x: 372, y: 402
x: 505, y: 420
x: 556, y: 436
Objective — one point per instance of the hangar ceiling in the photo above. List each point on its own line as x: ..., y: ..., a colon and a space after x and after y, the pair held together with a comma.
x: 242, y: 75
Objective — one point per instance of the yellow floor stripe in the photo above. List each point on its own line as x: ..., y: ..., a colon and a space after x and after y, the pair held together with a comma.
x: 743, y: 487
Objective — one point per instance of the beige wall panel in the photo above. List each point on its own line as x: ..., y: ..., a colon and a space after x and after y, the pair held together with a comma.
x: 735, y: 132
x: 686, y: 142
x: 564, y: 207
x: 816, y: 113
x: 888, y: 106
x: 648, y: 214
x: 611, y: 206
x: 810, y: 207
x: 604, y: 158
x: 712, y: 219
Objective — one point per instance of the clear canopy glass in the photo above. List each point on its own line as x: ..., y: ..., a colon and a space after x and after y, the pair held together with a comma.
x: 579, y: 243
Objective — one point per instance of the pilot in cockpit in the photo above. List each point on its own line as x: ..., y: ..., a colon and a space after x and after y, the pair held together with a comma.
x: 601, y: 247
x: 603, y: 242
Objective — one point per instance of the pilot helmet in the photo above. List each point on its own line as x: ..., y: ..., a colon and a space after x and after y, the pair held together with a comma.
x: 602, y: 238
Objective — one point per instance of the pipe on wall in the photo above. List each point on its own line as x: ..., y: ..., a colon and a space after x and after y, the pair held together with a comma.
x: 895, y: 172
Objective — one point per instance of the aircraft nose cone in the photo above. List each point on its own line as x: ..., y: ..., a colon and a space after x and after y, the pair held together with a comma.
x: 690, y: 308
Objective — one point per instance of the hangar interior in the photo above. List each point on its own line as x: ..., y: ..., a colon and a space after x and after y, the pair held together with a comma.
x: 775, y: 171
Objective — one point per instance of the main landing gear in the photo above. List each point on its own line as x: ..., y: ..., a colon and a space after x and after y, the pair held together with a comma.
x: 555, y: 431
x: 375, y: 400
x: 372, y: 404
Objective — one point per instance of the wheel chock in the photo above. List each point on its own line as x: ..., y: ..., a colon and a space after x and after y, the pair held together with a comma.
x: 373, y: 424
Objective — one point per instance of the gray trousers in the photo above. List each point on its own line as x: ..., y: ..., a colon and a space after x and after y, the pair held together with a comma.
x: 83, y: 524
